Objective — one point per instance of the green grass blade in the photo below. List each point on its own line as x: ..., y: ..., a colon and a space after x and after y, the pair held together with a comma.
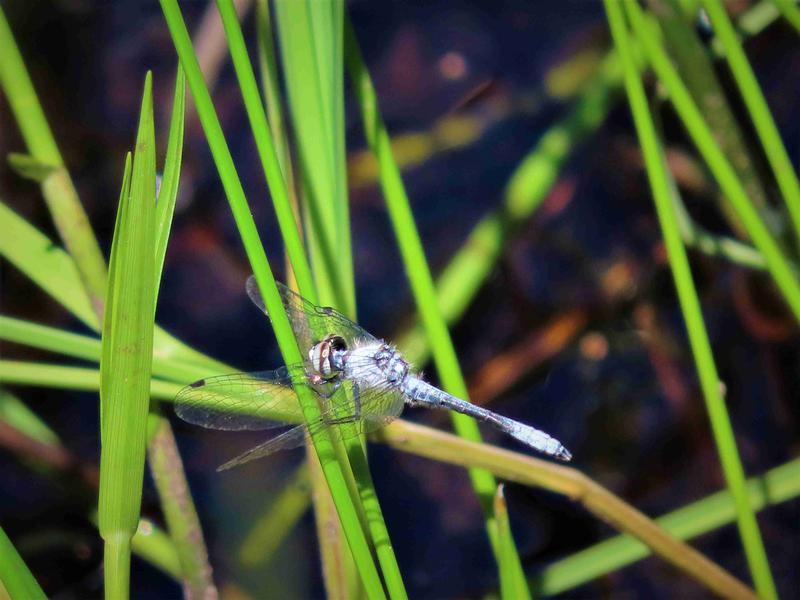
x: 54, y: 271
x: 266, y: 283
x: 165, y: 463
x: 126, y: 360
x: 718, y: 164
x: 107, y: 349
x: 153, y: 544
x: 755, y: 19
x: 88, y: 348
x: 23, y: 100
x: 698, y: 72
x: 690, y: 306
x: 168, y: 192
x: 789, y: 11
x: 268, y: 68
x: 49, y: 267
x: 14, y: 413
x: 758, y: 110
x: 310, y: 39
x: 70, y: 378
x: 57, y: 188
x: 775, y: 486
x: 63, y: 202
x: 302, y: 270
x: 510, y: 588
x: 266, y: 150
x: 49, y: 338
x: 16, y: 579
x: 149, y: 542
x: 421, y: 281
x: 698, y: 237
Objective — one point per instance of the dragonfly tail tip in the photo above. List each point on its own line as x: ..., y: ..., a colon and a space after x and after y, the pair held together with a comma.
x: 564, y: 454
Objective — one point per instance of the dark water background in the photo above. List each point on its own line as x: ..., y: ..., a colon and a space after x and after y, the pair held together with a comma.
x: 630, y: 412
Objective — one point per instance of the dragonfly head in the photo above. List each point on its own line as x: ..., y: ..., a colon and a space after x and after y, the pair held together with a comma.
x: 327, y: 356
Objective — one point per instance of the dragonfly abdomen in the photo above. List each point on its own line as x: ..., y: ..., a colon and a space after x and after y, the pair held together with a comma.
x: 421, y: 393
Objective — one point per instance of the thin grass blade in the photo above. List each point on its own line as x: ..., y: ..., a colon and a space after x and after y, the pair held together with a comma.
x: 153, y: 544
x: 311, y: 40
x: 15, y: 577
x: 268, y: 69
x: 717, y: 510
x: 49, y: 267
x: 168, y: 191
x: 64, y: 377
x: 14, y: 413
x: 266, y: 150
x: 510, y: 588
x: 421, y: 280
x: 690, y: 306
x: 758, y: 109
x: 62, y: 198
x: 58, y: 189
x: 789, y: 11
x: 165, y: 461
x: 779, y: 485
x: 266, y: 283
x: 723, y: 171
x: 54, y: 271
x: 311, y: 51
x: 699, y: 73
x: 88, y: 348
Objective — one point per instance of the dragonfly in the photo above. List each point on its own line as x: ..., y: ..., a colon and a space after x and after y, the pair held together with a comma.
x: 357, y: 379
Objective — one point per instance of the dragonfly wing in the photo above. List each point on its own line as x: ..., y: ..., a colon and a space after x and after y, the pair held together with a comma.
x: 311, y: 323
x: 285, y: 441
x: 379, y: 405
x: 382, y: 403
x: 243, y: 401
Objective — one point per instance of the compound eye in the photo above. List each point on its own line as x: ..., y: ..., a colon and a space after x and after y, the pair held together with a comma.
x: 337, y: 343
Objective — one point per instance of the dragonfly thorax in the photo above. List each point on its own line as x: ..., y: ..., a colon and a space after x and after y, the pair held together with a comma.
x: 327, y: 356
x: 375, y: 364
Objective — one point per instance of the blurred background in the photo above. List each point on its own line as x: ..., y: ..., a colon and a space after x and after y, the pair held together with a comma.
x: 576, y: 329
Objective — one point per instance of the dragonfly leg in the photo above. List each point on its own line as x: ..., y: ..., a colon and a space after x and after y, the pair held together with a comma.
x: 356, y: 401
x: 328, y: 394
x: 343, y: 420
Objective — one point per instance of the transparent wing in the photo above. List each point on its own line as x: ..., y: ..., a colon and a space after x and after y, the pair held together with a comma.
x: 245, y: 401
x: 310, y: 322
x: 285, y: 441
x: 378, y: 406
